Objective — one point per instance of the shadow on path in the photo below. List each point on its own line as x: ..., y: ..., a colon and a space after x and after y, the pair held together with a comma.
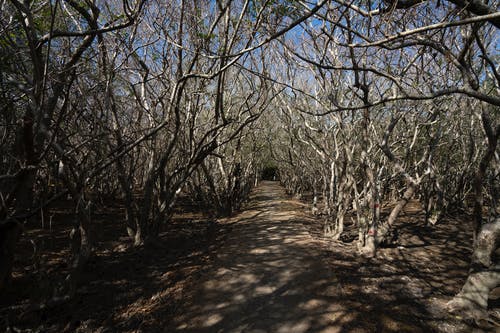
x: 269, y: 276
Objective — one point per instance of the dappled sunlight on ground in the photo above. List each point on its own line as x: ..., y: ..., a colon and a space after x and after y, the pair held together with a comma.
x: 267, y: 269
x: 271, y: 275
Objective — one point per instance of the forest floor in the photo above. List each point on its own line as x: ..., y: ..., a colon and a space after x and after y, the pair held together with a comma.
x: 267, y: 269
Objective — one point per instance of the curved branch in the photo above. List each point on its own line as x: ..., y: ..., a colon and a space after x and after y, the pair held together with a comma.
x: 436, y: 26
x: 445, y: 92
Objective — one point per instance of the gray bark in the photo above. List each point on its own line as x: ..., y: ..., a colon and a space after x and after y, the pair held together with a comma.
x: 472, y: 300
x: 10, y: 231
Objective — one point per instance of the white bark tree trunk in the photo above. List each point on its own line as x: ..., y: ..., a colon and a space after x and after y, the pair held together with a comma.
x: 472, y: 301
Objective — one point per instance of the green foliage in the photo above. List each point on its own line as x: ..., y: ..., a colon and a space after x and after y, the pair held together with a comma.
x: 42, y: 19
x: 207, y: 37
x: 277, y: 8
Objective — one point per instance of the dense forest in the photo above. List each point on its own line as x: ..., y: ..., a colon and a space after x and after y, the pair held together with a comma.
x: 123, y: 121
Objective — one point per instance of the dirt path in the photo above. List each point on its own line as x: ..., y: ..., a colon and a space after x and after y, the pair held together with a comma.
x: 265, y: 277
x: 271, y: 276
x: 268, y: 269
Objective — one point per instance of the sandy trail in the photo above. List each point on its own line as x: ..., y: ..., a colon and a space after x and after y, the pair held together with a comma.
x: 270, y: 274
x: 267, y: 277
x: 269, y: 269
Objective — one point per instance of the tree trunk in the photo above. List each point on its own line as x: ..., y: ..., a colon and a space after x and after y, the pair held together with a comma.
x: 81, y: 245
x: 472, y: 301
x: 10, y: 231
x: 22, y: 194
x: 385, y: 228
x: 314, y: 209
